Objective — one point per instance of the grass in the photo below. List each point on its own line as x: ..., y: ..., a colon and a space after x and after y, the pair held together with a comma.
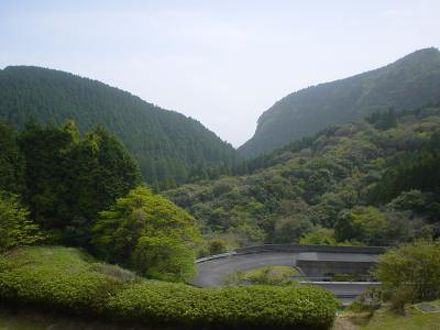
x: 268, y: 275
x: 414, y: 319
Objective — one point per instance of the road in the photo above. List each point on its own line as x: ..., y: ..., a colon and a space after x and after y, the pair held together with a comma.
x: 212, y: 273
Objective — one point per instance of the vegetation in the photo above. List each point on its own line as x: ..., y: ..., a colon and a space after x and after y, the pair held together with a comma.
x: 169, y: 147
x: 414, y: 319
x: 65, y: 179
x: 372, y: 181
x: 67, y: 280
x: 418, y: 316
x: 408, y: 83
x: 410, y: 273
x: 15, y: 227
x: 150, y: 234
x: 268, y: 275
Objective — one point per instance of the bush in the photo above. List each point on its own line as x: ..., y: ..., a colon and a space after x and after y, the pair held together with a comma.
x: 262, y: 307
x: 64, y: 279
x: 57, y: 278
x: 410, y: 273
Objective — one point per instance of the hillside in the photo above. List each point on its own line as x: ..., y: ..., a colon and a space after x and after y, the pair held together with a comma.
x: 408, y: 83
x: 168, y: 146
x: 373, y: 181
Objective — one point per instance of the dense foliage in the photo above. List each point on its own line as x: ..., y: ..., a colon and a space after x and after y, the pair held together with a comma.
x: 408, y: 83
x: 66, y: 280
x: 411, y: 269
x: 16, y: 228
x: 66, y: 179
x: 169, y: 147
x: 372, y: 181
x: 11, y: 161
x: 149, y: 234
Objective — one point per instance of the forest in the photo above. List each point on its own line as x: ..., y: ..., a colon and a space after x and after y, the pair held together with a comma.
x: 408, y: 83
x: 372, y: 181
x: 169, y: 147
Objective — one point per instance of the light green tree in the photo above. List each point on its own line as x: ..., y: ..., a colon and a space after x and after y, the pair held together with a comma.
x: 15, y: 227
x: 148, y: 233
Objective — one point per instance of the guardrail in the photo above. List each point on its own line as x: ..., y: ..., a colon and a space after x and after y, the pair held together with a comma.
x: 311, y: 248
x: 296, y: 248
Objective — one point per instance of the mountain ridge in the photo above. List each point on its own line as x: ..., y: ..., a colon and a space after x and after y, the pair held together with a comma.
x: 168, y: 145
x: 305, y: 111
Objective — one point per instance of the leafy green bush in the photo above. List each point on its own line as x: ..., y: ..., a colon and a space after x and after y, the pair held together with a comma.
x: 58, y: 278
x: 410, y: 273
x: 65, y: 279
x: 231, y: 307
x: 268, y: 275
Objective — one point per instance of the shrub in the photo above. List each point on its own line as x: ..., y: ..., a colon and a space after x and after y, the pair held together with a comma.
x: 66, y: 283
x: 260, y: 307
x: 65, y: 280
x: 216, y: 246
x: 410, y: 273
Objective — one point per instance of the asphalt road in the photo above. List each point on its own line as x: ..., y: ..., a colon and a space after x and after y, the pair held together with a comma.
x: 212, y: 273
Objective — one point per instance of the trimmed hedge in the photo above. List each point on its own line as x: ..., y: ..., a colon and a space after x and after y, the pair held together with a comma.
x: 77, y: 286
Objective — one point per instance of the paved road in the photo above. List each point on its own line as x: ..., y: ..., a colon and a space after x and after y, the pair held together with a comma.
x: 212, y: 273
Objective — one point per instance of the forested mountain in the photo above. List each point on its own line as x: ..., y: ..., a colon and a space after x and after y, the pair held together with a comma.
x: 169, y: 147
x: 371, y: 181
x: 408, y: 83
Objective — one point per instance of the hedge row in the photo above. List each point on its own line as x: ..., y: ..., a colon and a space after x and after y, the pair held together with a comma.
x: 82, y: 288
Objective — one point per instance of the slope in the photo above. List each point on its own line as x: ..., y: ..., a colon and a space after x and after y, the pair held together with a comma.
x: 372, y: 181
x: 408, y: 83
x: 168, y: 146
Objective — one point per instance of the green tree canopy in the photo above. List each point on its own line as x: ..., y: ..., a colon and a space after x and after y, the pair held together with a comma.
x: 148, y: 233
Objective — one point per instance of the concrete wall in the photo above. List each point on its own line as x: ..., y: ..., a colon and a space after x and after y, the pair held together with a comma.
x: 311, y: 248
x: 315, y: 268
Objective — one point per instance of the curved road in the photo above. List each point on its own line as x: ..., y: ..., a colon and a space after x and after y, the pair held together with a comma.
x: 212, y: 272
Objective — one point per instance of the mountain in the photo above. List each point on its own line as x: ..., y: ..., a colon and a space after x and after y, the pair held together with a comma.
x: 408, y: 83
x: 372, y: 181
x: 169, y: 147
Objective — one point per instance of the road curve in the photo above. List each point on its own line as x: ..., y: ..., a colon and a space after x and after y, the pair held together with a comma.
x: 212, y: 272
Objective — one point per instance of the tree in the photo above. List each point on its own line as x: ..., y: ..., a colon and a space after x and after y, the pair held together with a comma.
x: 362, y: 223
x: 163, y: 257
x: 15, y: 227
x: 69, y: 179
x: 11, y: 161
x: 321, y: 236
x: 149, y: 234
x: 411, y: 270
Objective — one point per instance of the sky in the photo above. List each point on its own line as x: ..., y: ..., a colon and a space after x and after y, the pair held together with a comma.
x: 221, y: 62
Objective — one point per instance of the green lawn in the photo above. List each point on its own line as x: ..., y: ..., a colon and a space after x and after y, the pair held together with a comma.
x: 384, y: 319
x: 414, y: 320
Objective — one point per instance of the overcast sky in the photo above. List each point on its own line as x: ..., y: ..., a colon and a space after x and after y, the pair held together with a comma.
x: 222, y: 62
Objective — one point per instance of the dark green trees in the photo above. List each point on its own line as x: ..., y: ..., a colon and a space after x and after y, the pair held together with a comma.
x: 11, y: 161
x: 169, y: 147
x: 69, y: 179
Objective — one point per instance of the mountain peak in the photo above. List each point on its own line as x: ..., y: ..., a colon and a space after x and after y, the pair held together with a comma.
x: 410, y: 82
